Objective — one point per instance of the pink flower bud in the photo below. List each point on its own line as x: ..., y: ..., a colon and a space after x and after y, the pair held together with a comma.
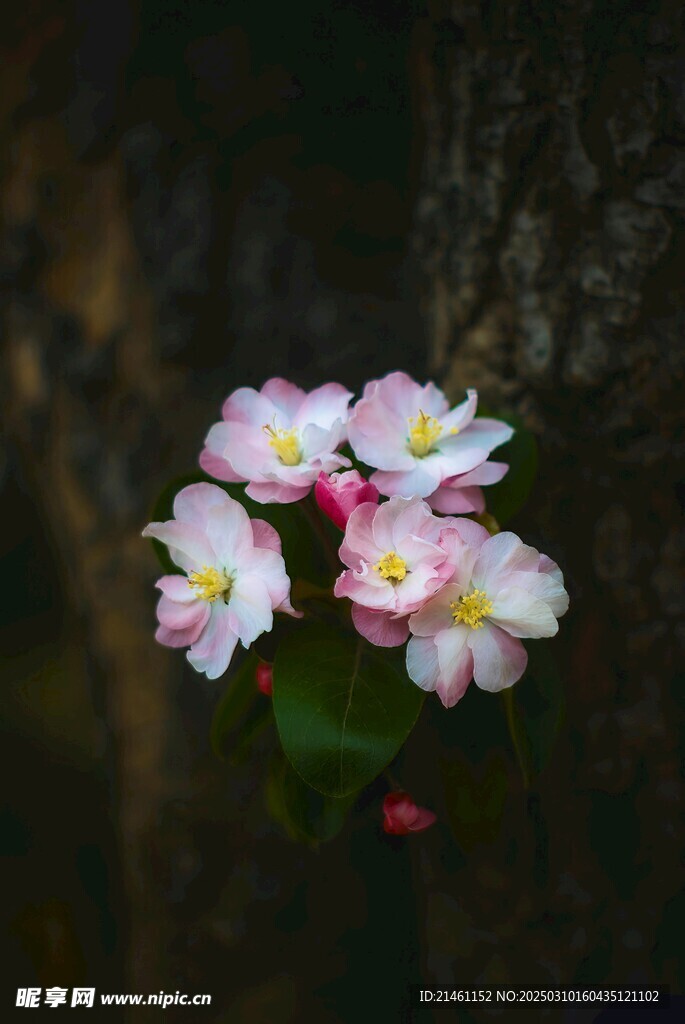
x: 340, y: 494
x: 265, y: 678
x: 402, y: 815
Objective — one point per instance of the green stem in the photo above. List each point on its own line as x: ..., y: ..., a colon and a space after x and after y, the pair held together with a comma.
x: 392, y: 781
x: 508, y: 697
x: 313, y: 514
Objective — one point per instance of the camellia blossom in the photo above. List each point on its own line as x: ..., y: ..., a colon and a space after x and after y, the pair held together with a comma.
x: 278, y: 439
x: 396, y: 562
x: 501, y: 589
x: 462, y: 494
x: 265, y: 678
x: 234, y: 579
x: 339, y: 495
x: 403, y: 816
x: 419, y: 445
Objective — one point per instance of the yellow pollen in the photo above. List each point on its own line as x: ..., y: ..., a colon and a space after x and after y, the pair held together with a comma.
x: 423, y: 433
x: 471, y: 609
x: 210, y: 583
x: 285, y: 443
x: 392, y: 567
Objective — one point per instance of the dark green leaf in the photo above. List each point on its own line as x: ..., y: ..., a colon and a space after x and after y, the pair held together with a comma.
x: 505, y: 499
x: 306, y: 815
x: 240, y: 693
x: 343, y: 707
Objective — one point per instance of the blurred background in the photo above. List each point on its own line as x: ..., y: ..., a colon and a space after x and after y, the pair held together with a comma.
x: 199, y: 195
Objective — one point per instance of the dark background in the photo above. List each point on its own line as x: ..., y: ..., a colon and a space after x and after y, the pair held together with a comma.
x: 198, y: 196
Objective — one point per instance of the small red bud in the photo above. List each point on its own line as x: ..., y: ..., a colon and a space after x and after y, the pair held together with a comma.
x: 403, y: 816
x: 265, y: 678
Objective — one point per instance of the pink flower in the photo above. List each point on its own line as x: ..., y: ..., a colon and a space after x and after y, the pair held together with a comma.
x: 278, y: 439
x: 338, y: 495
x: 462, y: 494
x: 265, y: 678
x: 418, y: 444
x: 402, y: 815
x: 396, y: 561
x: 235, y: 578
x: 500, y: 590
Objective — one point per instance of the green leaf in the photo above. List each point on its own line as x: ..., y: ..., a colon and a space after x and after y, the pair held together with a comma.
x: 343, y: 707
x: 307, y: 815
x: 505, y: 499
x: 475, y: 796
x: 535, y: 710
x: 239, y: 695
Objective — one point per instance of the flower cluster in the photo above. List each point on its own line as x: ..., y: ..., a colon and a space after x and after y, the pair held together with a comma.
x: 416, y: 565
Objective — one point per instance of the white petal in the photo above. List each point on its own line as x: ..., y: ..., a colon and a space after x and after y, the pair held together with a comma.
x: 422, y: 662
x: 522, y: 614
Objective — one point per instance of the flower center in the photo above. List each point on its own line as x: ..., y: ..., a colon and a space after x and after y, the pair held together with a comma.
x: 423, y: 433
x: 210, y: 584
x: 392, y: 567
x: 285, y: 443
x: 471, y: 609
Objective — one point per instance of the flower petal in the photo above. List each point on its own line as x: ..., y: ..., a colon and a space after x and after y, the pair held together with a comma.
x: 457, y: 501
x: 213, y: 457
x: 181, y: 637
x: 176, y: 587
x: 192, y: 503
x: 249, y: 609
x: 175, y: 615
x: 499, y: 659
x: 229, y: 531
x: 188, y: 545
x: 324, y: 406
x: 270, y: 492
x: 436, y: 614
x: 360, y: 537
x: 424, y: 819
x: 481, y: 433
x: 285, y: 396
x: 365, y: 587
x: 419, y: 479
x: 380, y: 628
x: 500, y: 555
x: 213, y: 651
x: 422, y: 662
x: 462, y: 414
x: 522, y: 614
x: 456, y: 663
x: 546, y: 588
x: 249, y: 407
x: 265, y: 536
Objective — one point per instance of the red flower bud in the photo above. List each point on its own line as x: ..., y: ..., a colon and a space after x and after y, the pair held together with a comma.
x: 265, y: 678
x: 339, y: 494
x: 402, y: 815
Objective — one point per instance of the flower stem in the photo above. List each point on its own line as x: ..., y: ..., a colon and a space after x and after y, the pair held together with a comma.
x: 311, y: 511
x: 508, y: 698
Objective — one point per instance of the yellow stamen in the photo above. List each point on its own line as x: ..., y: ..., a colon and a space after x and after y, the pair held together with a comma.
x: 286, y: 444
x: 423, y: 433
x: 471, y: 609
x: 210, y: 583
x: 392, y: 567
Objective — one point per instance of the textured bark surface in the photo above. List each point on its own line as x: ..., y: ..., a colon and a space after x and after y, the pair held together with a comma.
x: 549, y: 229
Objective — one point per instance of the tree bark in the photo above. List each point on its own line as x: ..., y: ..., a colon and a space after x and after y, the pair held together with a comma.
x: 549, y: 238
